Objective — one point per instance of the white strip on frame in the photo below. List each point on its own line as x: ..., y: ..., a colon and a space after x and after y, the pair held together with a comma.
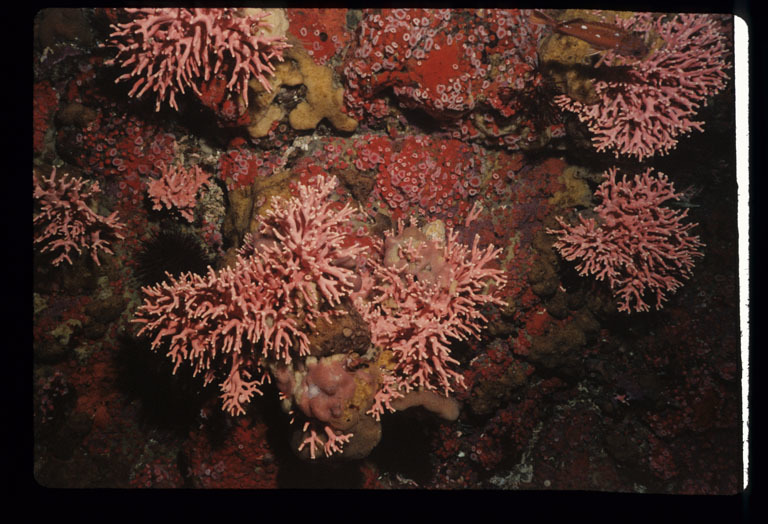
x: 741, y: 84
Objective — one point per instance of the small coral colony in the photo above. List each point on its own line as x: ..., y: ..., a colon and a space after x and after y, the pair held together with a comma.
x: 368, y: 189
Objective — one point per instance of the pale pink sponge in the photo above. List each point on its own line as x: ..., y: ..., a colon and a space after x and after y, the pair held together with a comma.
x: 326, y: 385
x: 648, y: 103
x: 65, y: 222
x: 640, y: 246
x: 171, y: 49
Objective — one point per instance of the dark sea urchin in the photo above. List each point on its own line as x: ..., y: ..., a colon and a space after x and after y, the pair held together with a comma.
x: 173, y: 251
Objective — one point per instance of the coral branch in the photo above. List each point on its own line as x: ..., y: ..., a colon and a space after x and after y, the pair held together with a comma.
x: 333, y: 443
x: 638, y: 245
x: 171, y: 49
x: 279, y: 287
x: 653, y: 103
x: 427, y: 293
x: 66, y: 223
x: 177, y: 188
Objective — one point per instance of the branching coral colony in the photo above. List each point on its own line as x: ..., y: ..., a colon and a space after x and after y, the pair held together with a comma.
x: 414, y: 294
x: 640, y: 246
x: 172, y: 49
x: 648, y: 105
x: 66, y: 224
x: 177, y: 189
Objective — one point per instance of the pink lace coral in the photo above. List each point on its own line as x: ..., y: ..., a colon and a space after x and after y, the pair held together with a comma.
x: 171, y: 49
x: 333, y: 442
x: 177, y: 188
x: 642, y: 113
x: 638, y: 245
x: 209, y: 320
x: 427, y: 292
x: 304, y: 240
x: 66, y: 223
x: 281, y: 284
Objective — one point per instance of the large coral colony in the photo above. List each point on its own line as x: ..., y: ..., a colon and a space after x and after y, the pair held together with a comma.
x: 348, y: 278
